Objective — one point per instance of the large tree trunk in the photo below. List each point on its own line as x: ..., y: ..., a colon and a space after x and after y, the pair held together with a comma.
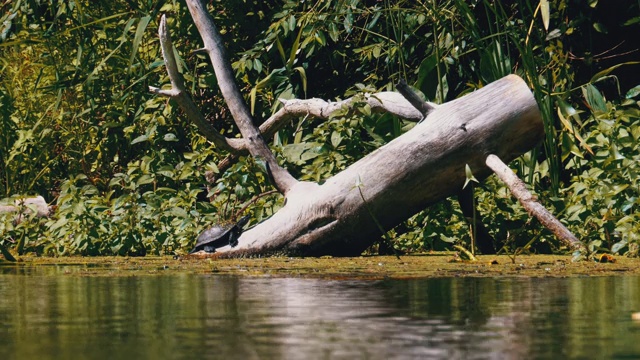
x: 423, y: 166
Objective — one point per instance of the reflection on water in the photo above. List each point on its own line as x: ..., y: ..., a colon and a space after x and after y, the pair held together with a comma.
x: 201, y: 316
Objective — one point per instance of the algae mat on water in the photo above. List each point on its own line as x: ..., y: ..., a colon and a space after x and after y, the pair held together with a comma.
x: 365, y: 267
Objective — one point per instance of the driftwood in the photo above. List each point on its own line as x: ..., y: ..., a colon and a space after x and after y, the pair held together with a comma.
x: 25, y: 206
x: 345, y: 215
x: 419, y: 168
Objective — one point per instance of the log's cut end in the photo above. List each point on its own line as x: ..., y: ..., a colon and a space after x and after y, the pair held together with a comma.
x: 525, y: 129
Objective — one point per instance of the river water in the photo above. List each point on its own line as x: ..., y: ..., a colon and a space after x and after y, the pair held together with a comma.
x: 189, y: 316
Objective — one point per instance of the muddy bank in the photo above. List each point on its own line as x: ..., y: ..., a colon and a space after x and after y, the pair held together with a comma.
x: 366, y: 267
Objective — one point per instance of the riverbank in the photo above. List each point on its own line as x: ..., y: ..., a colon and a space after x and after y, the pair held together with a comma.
x: 366, y: 267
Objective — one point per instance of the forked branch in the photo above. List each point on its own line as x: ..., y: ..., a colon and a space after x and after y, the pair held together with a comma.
x: 183, y: 99
x: 232, y: 96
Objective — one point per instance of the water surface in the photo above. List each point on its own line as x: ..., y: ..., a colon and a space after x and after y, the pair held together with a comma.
x: 47, y: 315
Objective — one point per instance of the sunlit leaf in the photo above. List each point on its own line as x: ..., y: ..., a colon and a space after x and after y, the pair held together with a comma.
x: 140, y: 139
x: 633, y: 92
x: 600, y: 28
x: 257, y: 65
x: 618, y: 246
x: 295, y: 49
x: 142, y: 26
x: 468, y: 176
x: 553, y: 34
x: 333, y: 32
x: 599, y: 75
x: 303, y: 77
x: 336, y: 139
x: 545, y: 13
x: 281, y: 50
x: 170, y: 137
x: 348, y: 21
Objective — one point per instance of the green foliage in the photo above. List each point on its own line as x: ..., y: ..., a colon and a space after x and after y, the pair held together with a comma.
x: 603, y: 198
x: 125, y: 169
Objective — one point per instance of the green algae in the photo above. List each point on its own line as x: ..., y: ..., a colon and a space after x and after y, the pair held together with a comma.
x: 365, y: 267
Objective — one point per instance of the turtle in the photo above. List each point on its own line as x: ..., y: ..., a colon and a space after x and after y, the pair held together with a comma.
x: 220, y: 235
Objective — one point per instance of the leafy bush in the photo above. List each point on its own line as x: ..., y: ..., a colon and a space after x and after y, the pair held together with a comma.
x: 126, y: 170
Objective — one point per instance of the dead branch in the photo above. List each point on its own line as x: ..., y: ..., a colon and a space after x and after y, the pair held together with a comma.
x: 529, y: 202
x: 183, y: 99
x: 232, y: 96
x: 382, y: 102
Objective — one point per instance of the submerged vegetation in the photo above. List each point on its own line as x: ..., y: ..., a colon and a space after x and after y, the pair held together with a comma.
x: 129, y: 175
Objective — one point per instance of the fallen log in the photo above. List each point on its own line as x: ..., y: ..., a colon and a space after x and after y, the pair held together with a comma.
x: 419, y: 168
x: 352, y: 209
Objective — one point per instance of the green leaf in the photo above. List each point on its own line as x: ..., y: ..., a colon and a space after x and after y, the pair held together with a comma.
x: 292, y: 23
x: 145, y: 179
x: 178, y: 212
x: 303, y: 77
x: 600, y: 28
x: 211, y: 166
x: 252, y: 99
x: 633, y: 92
x: 348, y: 21
x: 334, y: 34
x: 142, y: 26
x: 469, y: 176
x: 601, y: 74
x: 594, y: 98
x: 170, y: 137
x: 555, y: 33
x: 618, y: 246
x: 320, y: 38
x: 299, y: 154
x: 257, y: 65
x: 281, y: 50
x: 376, y: 51
x: 294, y: 50
x: 336, y: 139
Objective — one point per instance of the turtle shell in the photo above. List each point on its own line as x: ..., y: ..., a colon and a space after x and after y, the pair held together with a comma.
x: 219, y: 235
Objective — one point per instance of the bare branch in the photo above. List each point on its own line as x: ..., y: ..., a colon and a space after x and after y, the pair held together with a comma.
x: 232, y: 96
x: 528, y: 201
x: 382, y: 102
x: 387, y: 101
x: 185, y: 102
